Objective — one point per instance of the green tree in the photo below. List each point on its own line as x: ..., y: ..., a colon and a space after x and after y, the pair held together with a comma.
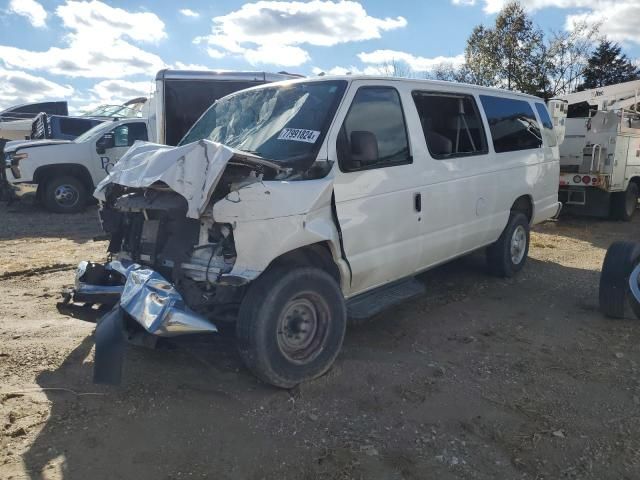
x: 516, y: 54
x: 608, y: 66
x: 566, y: 58
x: 511, y: 54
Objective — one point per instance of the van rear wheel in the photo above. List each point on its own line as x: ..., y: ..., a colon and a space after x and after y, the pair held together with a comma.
x: 291, y: 325
x: 508, y: 254
x: 64, y: 194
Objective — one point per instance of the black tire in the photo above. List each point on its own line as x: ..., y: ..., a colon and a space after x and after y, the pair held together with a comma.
x: 501, y: 259
x: 624, y: 204
x: 65, y: 194
x: 269, y: 325
x: 620, y: 260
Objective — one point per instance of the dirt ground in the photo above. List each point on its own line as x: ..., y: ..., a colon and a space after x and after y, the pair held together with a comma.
x: 480, y: 378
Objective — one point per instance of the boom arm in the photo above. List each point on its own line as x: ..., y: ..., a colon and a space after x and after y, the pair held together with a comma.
x: 622, y: 95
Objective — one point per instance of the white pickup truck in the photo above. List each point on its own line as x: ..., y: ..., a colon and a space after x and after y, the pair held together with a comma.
x: 67, y: 171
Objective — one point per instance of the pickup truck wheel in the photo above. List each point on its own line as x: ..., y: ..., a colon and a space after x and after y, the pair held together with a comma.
x: 291, y: 325
x: 508, y: 254
x: 620, y: 260
x: 624, y: 204
x: 65, y: 194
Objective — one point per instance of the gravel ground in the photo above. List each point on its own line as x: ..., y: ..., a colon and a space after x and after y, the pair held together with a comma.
x: 480, y: 378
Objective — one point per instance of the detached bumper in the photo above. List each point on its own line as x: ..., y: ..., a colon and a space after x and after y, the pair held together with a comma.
x: 139, y: 295
x: 142, y: 293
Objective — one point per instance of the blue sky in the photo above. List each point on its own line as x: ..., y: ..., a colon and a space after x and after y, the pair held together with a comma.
x: 92, y: 52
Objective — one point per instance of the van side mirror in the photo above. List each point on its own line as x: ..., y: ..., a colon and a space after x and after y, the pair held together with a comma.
x: 105, y: 142
x: 364, y: 148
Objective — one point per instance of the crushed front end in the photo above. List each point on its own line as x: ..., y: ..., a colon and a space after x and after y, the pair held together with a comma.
x: 167, y: 272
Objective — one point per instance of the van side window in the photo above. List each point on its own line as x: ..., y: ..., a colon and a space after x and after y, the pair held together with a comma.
x: 512, y: 124
x: 374, y: 133
x: 451, y: 124
x: 547, y: 125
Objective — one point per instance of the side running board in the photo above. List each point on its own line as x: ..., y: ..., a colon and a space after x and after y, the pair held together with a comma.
x: 375, y: 301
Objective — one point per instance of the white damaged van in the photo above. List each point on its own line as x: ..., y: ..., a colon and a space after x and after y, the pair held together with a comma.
x: 291, y: 206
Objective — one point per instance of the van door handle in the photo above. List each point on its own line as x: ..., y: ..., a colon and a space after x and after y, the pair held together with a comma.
x: 417, y: 202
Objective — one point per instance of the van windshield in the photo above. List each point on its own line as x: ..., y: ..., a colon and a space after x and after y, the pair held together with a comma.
x: 283, y: 123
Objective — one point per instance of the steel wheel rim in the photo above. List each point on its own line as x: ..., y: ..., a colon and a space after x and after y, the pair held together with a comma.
x: 66, y: 195
x: 518, y: 244
x: 303, y: 327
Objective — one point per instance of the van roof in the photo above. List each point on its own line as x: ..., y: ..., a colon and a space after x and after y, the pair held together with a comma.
x: 420, y: 82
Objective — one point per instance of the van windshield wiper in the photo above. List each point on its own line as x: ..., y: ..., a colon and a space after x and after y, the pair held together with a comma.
x: 252, y: 152
x: 260, y: 159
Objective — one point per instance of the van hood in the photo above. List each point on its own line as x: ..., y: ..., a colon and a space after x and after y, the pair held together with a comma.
x: 191, y: 170
x: 22, y: 144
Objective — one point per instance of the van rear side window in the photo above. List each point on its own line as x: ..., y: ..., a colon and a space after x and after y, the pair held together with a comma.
x: 451, y: 124
x: 547, y: 125
x: 512, y: 123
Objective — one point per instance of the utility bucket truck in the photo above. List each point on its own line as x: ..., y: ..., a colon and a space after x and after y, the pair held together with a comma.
x: 600, y: 157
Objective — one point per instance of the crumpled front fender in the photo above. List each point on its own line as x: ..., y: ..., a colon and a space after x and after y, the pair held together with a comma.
x: 272, y: 218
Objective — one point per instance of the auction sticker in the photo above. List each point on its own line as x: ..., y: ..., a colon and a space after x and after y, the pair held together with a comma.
x: 299, y: 135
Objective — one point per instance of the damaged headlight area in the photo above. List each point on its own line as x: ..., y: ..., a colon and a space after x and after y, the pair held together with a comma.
x: 149, y: 228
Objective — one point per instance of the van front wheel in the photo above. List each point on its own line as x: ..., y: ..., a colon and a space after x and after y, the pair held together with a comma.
x: 508, y: 254
x: 291, y: 325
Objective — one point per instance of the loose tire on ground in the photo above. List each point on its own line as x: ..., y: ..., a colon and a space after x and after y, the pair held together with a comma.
x: 624, y: 204
x: 508, y: 254
x: 291, y: 325
x: 620, y: 260
x: 64, y: 194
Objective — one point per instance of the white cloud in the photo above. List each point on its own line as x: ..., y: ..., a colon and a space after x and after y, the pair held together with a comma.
x: 20, y: 87
x: 187, y: 12
x: 112, y: 92
x: 494, y: 6
x: 32, y: 10
x: 97, y: 45
x: 272, y: 31
x: 414, y: 62
x: 104, y: 21
x: 215, y: 53
x: 284, y: 55
x: 619, y: 18
x: 190, y: 66
x: 119, y: 91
